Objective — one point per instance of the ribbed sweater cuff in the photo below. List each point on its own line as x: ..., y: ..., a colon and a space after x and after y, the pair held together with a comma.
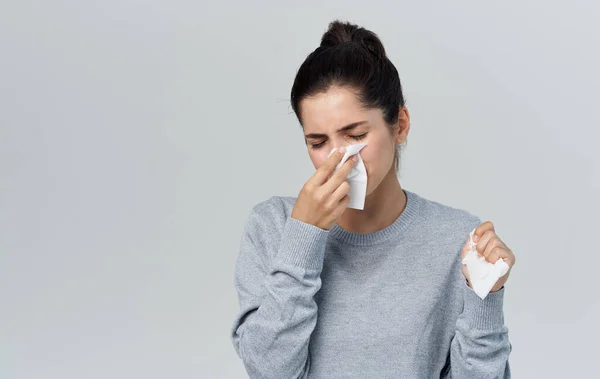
x: 483, y: 314
x: 302, y: 244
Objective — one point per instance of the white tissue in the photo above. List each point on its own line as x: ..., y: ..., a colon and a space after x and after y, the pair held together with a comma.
x: 357, y: 178
x: 483, y: 274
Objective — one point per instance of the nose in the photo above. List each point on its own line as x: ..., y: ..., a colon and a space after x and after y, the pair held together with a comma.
x: 336, y: 145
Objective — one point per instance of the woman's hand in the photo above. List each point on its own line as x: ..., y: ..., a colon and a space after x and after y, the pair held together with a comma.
x: 492, y: 248
x: 324, y: 197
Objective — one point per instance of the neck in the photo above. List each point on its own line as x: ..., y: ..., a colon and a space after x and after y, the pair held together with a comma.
x: 382, y: 207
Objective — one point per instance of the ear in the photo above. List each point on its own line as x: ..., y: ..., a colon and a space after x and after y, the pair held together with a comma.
x: 402, y: 126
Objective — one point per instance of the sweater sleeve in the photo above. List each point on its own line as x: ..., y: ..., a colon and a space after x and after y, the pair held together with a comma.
x: 277, y: 313
x: 480, y: 346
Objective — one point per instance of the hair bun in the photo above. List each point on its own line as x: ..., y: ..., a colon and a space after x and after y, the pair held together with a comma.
x: 339, y: 33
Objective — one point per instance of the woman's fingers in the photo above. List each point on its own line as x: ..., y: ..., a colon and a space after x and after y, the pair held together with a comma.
x: 482, y: 228
x: 340, y: 176
x: 492, y: 245
x: 493, y: 248
x: 339, y: 193
x: 324, y: 197
x: 328, y: 167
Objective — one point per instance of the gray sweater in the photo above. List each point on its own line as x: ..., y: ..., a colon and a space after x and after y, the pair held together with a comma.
x: 320, y: 303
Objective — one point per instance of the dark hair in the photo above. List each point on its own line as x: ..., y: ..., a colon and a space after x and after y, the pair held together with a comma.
x: 351, y: 56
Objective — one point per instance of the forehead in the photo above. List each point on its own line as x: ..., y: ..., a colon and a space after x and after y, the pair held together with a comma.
x: 336, y: 107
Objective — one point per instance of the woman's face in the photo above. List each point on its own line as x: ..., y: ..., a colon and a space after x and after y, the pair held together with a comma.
x: 336, y: 118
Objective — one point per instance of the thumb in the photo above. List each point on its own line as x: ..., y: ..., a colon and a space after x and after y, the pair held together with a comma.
x: 467, y: 246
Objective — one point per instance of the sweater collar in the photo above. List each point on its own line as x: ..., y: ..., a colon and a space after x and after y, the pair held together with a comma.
x: 411, y: 210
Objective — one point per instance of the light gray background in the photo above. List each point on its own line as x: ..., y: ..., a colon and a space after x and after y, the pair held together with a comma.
x: 136, y: 136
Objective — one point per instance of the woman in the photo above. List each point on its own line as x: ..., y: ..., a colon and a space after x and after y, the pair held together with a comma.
x: 328, y: 291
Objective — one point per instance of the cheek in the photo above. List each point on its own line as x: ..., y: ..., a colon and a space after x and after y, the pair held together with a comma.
x: 376, y: 157
x: 317, y: 157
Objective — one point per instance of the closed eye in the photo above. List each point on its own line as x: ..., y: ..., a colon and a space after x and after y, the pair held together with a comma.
x: 317, y: 145
x: 358, y: 138
x: 320, y: 144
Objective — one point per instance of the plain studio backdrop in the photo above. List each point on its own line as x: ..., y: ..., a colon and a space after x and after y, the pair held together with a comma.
x: 135, y: 137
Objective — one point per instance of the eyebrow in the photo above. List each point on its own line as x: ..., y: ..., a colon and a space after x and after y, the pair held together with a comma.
x: 344, y: 129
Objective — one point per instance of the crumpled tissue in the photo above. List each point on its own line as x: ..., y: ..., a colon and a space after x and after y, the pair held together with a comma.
x: 483, y: 274
x: 357, y: 178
